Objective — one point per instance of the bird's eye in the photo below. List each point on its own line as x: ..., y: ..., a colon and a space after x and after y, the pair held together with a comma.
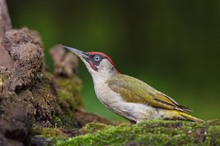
x: 97, y: 58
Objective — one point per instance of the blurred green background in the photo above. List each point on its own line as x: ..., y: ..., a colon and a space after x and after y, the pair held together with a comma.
x: 172, y: 45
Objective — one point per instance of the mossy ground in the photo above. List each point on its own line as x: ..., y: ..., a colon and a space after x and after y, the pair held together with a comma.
x: 148, y: 133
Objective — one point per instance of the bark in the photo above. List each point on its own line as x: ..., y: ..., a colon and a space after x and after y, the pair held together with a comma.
x: 26, y: 89
x: 5, y: 24
x: 5, y: 21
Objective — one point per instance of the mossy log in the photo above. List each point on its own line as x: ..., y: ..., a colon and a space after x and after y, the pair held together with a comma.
x: 152, y: 132
x: 31, y: 98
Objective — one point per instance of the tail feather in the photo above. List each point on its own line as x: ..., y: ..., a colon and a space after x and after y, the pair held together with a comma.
x: 183, y: 108
x: 189, y: 117
x: 174, y: 114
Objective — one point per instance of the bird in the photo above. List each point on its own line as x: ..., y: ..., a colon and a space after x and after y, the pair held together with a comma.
x: 127, y: 96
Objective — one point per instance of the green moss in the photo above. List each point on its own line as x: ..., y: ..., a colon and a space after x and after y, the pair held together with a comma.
x: 68, y: 91
x: 214, y: 135
x: 47, y: 136
x: 57, y: 121
x: 93, y: 128
x: 1, y: 80
x: 3, y: 76
x: 68, y: 99
x: 148, y: 133
x: 52, y: 132
x: 43, y: 96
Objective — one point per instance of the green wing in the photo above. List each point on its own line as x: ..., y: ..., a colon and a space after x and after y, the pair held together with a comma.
x: 134, y: 90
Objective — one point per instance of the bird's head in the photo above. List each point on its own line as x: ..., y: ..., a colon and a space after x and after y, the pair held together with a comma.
x: 97, y: 63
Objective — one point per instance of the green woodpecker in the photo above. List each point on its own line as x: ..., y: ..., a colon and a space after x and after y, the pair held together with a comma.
x: 127, y: 96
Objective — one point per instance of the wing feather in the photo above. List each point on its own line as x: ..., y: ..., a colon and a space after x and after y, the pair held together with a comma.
x: 134, y: 90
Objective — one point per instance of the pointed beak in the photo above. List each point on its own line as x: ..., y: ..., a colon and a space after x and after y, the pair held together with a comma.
x: 81, y: 54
